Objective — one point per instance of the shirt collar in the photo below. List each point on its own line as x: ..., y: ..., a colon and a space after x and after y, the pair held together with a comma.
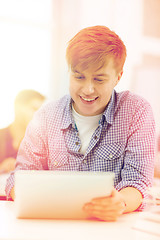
x: 108, y: 114
x: 67, y: 118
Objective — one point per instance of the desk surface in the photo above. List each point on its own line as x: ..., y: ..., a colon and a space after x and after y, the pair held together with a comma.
x: 32, y: 229
x: 25, y: 229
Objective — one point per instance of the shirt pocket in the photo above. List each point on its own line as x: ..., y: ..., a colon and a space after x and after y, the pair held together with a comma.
x: 110, y: 151
x: 109, y: 157
x: 58, y: 161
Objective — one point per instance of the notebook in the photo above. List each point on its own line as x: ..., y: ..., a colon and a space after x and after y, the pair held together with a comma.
x: 58, y: 194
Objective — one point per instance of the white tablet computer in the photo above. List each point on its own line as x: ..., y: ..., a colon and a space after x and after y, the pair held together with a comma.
x: 58, y: 194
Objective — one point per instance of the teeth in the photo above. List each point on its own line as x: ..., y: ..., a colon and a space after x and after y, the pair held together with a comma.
x: 88, y: 100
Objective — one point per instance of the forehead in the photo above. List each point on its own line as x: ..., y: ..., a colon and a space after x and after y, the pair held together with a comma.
x: 108, y: 66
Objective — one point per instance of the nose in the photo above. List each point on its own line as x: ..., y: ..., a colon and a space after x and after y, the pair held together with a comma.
x: 88, y: 88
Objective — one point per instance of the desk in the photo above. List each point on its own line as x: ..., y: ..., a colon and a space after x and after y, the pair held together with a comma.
x: 32, y: 229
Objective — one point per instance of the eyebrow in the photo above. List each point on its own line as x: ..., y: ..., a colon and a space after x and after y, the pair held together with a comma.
x: 95, y: 75
x: 75, y: 71
x: 101, y: 75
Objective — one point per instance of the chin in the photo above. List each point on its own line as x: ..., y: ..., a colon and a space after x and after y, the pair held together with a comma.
x: 87, y: 113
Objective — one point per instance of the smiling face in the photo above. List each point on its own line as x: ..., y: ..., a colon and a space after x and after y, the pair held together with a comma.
x: 91, y: 89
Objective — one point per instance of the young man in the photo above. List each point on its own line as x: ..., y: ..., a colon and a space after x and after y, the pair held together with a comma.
x: 95, y: 128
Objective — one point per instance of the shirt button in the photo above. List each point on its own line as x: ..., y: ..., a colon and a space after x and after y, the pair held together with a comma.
x: 111, y: 156
x: 95, y: 137
x: 55, y: 163
x: 85, y: 161
x: 77, y: 143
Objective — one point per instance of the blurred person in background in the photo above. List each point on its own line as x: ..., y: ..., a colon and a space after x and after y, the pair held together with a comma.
x: 25, y: 104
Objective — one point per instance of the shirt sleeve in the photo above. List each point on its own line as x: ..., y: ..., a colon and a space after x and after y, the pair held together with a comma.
x: 138, y: 170
x: 32, y: 154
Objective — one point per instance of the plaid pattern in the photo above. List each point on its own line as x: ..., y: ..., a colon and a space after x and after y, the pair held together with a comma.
x: 124, y: 142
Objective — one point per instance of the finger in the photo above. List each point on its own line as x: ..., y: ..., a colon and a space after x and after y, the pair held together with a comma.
x: 107, y: 219
x: 106, y: 199
x: 114, y: 193
x: 100, y: 210
x: 97, y: 207
x: 109, y: 216
x: 106, y: 202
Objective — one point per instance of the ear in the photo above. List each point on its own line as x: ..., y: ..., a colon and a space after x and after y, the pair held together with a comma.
x: 119, y: 76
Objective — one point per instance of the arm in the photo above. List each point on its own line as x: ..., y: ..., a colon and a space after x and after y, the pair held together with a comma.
x: 12, y: 193
x: 137, y: 172
x: 7, y: 165
x: 138, y: 169
x: 132, y: 198
x: 111, y: 207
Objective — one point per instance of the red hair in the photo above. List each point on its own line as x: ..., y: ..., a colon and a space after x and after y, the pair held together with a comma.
x: 94, y: 46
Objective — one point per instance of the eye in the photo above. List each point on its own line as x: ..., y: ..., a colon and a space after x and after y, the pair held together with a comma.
x: 98, y: 80
x: 79, y: 77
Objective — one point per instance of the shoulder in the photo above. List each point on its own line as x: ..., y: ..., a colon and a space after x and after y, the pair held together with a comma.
x: 132, y: 108
x: 131, y: 102
x: 50, y: 116
x: 54, y: 109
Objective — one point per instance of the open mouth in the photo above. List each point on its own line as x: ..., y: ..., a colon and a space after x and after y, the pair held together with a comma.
x: 88, y: 100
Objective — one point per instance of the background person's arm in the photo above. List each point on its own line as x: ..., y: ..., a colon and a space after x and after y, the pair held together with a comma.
x: 7, y: 165
x: 12, y: 193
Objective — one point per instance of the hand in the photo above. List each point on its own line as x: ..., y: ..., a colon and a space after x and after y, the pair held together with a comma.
x: 7, y: 165
x: 106, y: 208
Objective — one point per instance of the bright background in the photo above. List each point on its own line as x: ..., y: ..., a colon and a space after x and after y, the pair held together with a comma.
x: 34, y: 36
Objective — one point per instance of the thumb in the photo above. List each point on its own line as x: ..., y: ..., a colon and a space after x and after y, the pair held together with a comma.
x: 114, y: 192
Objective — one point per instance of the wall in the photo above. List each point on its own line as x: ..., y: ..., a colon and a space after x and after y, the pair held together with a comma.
x: 34, y: 36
